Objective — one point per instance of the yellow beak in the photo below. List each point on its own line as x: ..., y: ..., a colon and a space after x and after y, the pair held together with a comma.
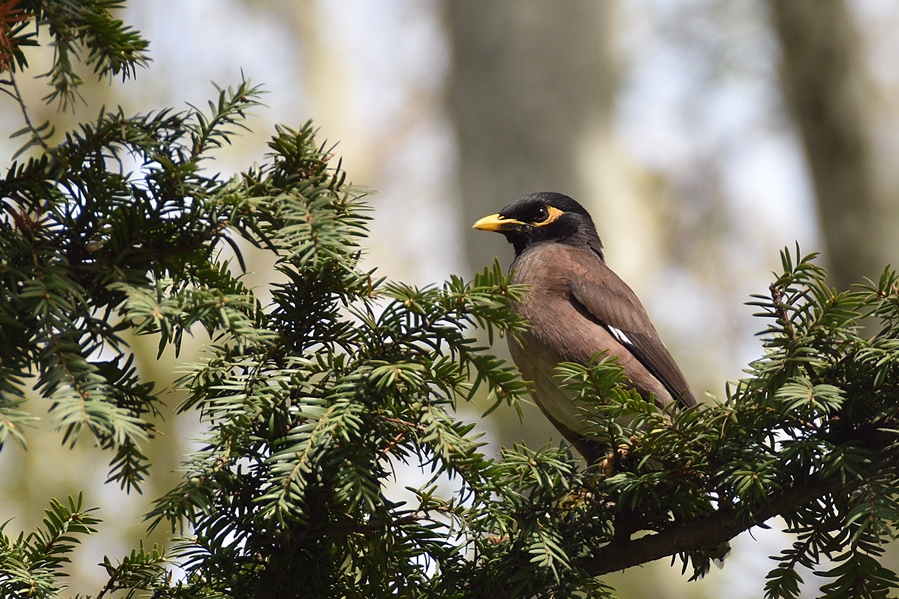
x: 495, y: 222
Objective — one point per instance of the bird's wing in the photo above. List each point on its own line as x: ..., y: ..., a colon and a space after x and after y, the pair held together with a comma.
x: 616, y: 307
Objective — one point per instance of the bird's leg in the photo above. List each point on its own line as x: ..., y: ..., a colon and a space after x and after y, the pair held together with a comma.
x: 607, y: 464
x: 613, y: 458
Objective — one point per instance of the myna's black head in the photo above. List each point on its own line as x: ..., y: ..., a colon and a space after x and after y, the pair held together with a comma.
x: 543, y: 217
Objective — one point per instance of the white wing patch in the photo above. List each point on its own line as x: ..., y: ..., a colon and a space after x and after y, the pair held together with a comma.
x: 619, y: 335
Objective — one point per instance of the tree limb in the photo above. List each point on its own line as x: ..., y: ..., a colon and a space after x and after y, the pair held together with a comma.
x: 723, y: 525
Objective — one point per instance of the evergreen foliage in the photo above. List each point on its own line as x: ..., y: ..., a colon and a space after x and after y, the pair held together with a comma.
x: 313, y: 401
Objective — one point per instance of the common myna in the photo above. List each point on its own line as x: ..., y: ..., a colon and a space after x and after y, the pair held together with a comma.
x: 577, y: 307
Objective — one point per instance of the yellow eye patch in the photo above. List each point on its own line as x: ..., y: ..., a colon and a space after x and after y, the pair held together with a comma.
x: 552, y: 215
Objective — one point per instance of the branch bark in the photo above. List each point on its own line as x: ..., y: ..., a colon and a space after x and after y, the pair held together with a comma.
x: 718, y: 528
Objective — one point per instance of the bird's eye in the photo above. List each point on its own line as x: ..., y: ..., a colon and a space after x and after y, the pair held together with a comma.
x: 541, y: 214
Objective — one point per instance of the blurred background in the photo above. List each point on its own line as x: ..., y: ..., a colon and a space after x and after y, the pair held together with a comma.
x: 703, y: 135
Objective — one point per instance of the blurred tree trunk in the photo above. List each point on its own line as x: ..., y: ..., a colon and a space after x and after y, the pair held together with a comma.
x: 531, y: 83
x: 833, y: 100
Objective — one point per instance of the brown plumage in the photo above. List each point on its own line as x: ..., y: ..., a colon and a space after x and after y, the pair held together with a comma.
x: 577, y: 307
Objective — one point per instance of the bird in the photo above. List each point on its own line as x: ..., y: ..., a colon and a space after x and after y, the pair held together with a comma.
x: 577, y: 307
